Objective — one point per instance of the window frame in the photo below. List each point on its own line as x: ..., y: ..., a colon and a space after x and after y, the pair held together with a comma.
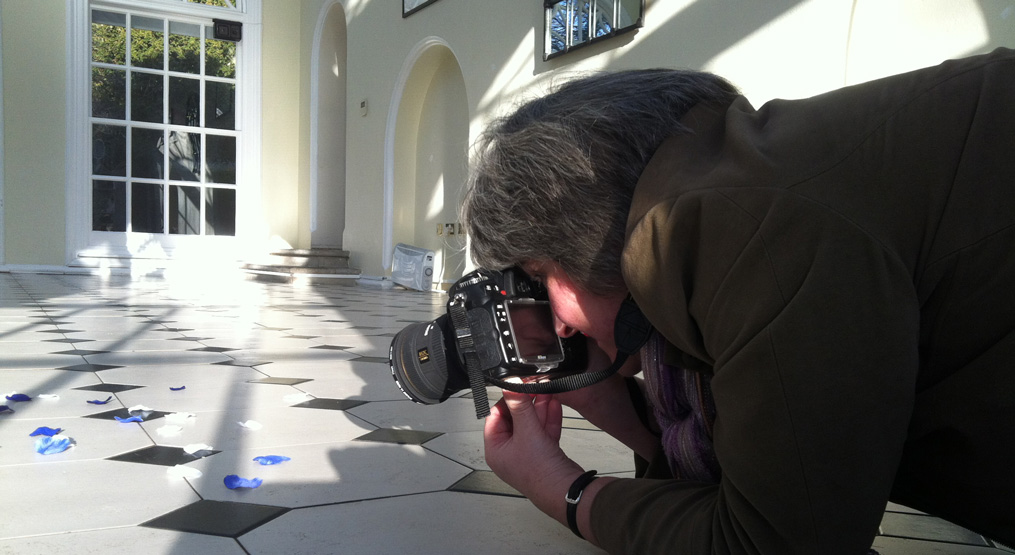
x: 88, y: 248
x: 201, y: 133
x: 410, y: 7
x: 569, y: 45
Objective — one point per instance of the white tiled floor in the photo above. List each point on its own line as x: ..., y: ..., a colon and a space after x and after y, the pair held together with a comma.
x: 346, y: 489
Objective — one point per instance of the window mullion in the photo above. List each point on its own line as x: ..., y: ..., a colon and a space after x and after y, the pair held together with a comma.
x: 165, y: 126
x: 572, y: 11
x: 128, y: 102
x: 202, y: 109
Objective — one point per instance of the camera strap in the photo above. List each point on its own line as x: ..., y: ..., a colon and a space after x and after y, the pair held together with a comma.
x: 564, y: 384
x: 467, y: 349
x: 631, y: 330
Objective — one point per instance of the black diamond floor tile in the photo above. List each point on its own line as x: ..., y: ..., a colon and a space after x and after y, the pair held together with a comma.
x: 81, y: 352
x: 162, y: 455
x: 213, y: 349
x: 280, y: 381
x: 250, y: 363
x: 175, y: 329
x: 147, y: 415
x: 401, y: 437
x: 302, y: 336
x: 109, y: 387
x: 59, y: 331
x: 89, y: 367
x: 365, y: 328
x: 331, y: 347
x: 75, y: 340
x: 484, y: 481
x: 330, y: 404
x: 189, y: 338
x: 217, y: 518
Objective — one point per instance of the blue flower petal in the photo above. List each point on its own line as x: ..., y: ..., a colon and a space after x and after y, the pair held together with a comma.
x: 4, y: 409
x: 181, y: 388
x: 52, y: 445
x: 18, y: 397
x: 129, y: 419
x: 271, y: 459
x: 45, y: 431
x: 233, y: 481
x: 97, y: 402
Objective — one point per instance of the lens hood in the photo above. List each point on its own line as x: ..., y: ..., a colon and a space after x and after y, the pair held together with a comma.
x: 420, y: 364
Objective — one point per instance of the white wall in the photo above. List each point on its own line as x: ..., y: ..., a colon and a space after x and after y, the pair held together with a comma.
x: 34, y: 131
x: 777, y: 48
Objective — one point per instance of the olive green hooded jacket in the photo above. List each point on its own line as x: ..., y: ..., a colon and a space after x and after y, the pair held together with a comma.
x: 844, y: 266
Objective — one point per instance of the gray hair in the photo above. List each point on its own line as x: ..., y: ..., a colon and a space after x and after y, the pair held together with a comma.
x: 554, y: 180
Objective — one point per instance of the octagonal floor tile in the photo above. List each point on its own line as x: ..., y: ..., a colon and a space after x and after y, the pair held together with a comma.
x: 94, y: 439
x: 122, y: 540
x: 340, y: 473
x: 87, y: 495
x: 454, y: 415
x: 281, y: 426
x: 211, y: 392
x: 460, y: 523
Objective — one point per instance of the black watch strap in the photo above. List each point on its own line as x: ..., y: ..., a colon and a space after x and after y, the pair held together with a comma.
x: 574, y: 495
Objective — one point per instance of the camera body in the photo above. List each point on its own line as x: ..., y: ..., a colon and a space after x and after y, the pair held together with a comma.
x: 510, y: 321
x: 506, y: 320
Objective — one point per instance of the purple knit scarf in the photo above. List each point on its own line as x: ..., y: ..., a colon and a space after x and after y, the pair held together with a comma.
x: 682, y: 401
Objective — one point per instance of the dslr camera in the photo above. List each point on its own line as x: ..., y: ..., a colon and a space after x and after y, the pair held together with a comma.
x: 498, y: 326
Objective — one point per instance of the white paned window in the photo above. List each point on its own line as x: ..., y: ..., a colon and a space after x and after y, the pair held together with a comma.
x: 163, y: 124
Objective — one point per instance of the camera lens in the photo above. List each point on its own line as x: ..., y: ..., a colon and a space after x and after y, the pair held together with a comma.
x: 420, y: 363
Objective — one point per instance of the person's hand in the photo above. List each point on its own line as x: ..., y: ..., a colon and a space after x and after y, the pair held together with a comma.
x: 522, y: 437
x: 522, y: 441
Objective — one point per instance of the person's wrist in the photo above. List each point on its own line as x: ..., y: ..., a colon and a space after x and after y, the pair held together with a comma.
x: 573, y: 497
x: 547, y: 491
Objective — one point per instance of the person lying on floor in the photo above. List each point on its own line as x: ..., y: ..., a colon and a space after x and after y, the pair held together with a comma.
x: 832, y: 289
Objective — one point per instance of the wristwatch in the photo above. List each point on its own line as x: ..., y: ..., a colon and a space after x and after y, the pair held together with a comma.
x: 573, y: 496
